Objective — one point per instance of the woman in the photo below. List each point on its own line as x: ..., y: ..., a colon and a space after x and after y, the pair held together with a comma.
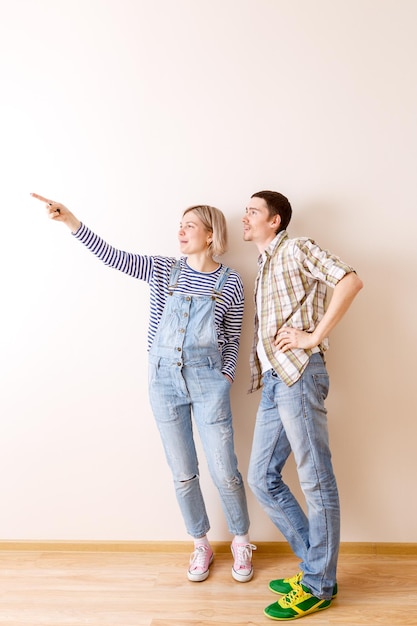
x: 195, y: 324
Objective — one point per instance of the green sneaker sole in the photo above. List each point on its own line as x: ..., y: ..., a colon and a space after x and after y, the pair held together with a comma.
x: 276, y: 612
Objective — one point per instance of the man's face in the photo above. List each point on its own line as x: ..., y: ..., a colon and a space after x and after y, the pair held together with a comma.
x: 258, y: 226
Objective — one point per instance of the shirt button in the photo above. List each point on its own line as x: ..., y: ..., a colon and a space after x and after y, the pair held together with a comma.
x: 185, y: 314
x: 188, y: 298
x: 182, y: 330
x: 179, y: 349
x: 179, y: 363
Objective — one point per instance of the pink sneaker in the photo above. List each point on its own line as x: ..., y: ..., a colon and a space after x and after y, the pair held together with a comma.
x: 200, y: 561
x: 242, y: 569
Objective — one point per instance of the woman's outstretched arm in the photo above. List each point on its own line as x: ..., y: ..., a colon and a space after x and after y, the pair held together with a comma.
x: 59, y: 212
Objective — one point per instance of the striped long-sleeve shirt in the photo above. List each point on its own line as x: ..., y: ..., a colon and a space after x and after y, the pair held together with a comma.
x: 155, y: 271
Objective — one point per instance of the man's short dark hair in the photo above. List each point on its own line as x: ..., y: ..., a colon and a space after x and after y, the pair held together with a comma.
x: 277, y: 205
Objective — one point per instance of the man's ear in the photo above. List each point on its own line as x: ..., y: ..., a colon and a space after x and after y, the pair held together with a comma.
x: 276, y: 222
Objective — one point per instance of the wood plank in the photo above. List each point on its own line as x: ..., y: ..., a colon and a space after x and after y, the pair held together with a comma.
x: 270, y: 547
x: 71, y: 588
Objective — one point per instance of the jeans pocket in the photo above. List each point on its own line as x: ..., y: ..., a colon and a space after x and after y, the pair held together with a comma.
x: 321, y: 383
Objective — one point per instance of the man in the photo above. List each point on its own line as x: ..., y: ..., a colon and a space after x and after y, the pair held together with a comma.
x: 292, y: 324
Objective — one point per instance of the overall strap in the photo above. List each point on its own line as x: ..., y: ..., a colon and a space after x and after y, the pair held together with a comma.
x: 218, y: 287
x: 174, y: 275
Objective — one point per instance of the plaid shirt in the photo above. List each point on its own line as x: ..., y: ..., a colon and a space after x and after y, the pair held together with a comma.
x: 292, y: 283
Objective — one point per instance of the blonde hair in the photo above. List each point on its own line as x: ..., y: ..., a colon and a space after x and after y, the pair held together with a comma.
x: 215, y: 222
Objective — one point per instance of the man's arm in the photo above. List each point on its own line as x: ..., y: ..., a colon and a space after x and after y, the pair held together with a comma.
x: 343, y: 295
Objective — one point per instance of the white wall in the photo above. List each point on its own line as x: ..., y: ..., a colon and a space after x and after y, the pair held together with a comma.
x: 129, y: 111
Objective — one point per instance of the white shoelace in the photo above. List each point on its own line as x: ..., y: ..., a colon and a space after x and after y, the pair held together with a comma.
x: 243, y: 555
x: 200, y: 558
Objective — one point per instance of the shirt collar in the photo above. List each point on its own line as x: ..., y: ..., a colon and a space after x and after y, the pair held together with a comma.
x: 273, y: 246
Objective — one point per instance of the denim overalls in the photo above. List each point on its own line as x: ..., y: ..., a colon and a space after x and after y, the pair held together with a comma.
x: 185, y: 377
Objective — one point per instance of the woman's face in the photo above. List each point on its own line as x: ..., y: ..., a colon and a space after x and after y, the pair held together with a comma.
x: 193, y: 236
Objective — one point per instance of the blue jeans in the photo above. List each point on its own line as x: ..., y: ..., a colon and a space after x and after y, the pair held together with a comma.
x: 295, y: 419
x: 198, y: 389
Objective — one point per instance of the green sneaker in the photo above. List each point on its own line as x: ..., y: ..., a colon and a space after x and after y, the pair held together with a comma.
x: 285, y: 585
x: 297, y: 603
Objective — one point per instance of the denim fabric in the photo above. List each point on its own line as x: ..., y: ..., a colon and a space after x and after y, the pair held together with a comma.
x: 294, y: 418
x: 185, y: 382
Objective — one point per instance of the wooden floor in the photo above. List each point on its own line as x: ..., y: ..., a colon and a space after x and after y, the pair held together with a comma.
x: 146, y: 589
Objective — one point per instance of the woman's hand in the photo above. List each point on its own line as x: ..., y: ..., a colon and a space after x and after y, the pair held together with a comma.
x: 59, y: 212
